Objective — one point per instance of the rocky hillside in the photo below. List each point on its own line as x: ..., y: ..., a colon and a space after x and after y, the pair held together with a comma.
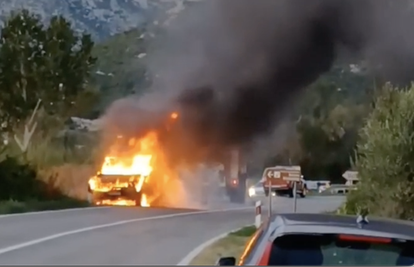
x: 101, y: 18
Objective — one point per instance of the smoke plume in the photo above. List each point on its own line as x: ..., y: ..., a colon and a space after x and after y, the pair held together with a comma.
x: 232, y: 67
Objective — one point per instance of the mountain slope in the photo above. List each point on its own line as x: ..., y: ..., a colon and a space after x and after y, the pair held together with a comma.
x: 101, y: 18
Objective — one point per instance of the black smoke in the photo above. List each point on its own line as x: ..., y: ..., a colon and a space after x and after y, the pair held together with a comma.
x: 232, y: 67
x: 298, y: 41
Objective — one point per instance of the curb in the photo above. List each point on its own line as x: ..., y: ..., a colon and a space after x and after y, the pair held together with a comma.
x: 195, y: 252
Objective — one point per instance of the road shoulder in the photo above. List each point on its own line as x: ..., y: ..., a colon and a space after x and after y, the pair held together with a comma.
x: 228, y: 244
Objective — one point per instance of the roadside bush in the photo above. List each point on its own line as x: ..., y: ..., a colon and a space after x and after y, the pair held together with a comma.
x: 60, y: 162
x: 35, y: 181
x: 71, y: 179
x: 385, y: 157
x: 20, y: 182
x: 48, y: 149
x: 12, y: 206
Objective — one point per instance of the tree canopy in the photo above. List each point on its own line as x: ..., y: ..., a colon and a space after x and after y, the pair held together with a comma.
x: 385, y: 156
x: 48, y: 64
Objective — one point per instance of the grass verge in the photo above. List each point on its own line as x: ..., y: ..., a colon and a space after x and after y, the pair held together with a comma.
x: 231, y: 245
x: 11, y: 206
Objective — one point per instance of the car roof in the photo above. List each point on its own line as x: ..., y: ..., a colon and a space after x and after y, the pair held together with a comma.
x: 339, y: 224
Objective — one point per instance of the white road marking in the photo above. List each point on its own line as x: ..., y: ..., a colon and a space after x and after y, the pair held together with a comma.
x: 96, y: 227
x: 194, y: 253
x: 50, y: 211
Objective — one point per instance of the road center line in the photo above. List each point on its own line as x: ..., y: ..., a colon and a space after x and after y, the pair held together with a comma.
x: 101, y: 226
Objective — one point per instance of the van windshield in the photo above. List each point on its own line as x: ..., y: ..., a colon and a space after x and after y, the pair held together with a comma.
x: 323, y: 250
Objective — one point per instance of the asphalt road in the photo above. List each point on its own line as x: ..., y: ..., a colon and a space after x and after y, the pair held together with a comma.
x: 125, y: 235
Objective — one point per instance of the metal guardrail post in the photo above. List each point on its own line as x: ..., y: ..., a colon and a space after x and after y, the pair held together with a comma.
x: 258, y: 216
x: 270, y: 200
x: 295, y: 196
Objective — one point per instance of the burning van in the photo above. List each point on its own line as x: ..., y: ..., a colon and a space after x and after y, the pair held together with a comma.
x: 124, y: 177
x: 135, y: 171
x: 118, y: 183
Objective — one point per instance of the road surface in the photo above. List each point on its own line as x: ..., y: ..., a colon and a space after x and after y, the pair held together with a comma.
x: 125, y: 235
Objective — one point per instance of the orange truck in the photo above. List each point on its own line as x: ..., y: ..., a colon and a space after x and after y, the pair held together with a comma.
x: 281, y: 179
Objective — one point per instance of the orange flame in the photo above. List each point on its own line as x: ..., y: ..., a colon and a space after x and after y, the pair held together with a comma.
x: 138, y: 165
x: 137, y: 160
x: 144, y: 201
x: 174, y: 115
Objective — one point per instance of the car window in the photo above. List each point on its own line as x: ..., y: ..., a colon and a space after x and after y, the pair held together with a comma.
x: 324, y: 250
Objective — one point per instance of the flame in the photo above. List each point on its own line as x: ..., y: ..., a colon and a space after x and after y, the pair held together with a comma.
x: 116, y: 202
x: 137, y: 161
x: 133, y: 159
x: 123, y: 202
x: 144, y: 201
x: 138, y: 165
x: 174, y: 115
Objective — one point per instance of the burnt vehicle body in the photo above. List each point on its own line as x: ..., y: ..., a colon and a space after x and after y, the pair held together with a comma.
x: 114, y: 187
x: 323, y: 239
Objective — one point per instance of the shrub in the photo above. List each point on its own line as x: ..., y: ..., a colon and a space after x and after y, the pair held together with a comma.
x: 13, y: 206
x: 62, y: 164
x: 18, y: 181
x: 385, y: 157
x: 71, y: 179
x: 47, y: 149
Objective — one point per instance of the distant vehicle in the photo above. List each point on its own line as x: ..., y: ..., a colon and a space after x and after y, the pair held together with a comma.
x: 256, y: 190
x: 352, y: 182
x: 339, y: 189
x: 277, y: 183
x: 323, y: 239
x: 311, y: 185
x: 323, y: 185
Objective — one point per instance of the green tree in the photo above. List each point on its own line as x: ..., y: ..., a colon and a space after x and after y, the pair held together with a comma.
x: 69, y: 66
x: 385, y: 157
x: 37, y: 63
x: 330, y: 116
x: 121, y: 68
x: 22, y: 38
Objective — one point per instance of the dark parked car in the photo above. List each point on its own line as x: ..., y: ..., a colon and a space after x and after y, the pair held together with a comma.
x: 323, y: 239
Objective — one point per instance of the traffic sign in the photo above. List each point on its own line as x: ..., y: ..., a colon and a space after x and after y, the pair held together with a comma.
x: 272, y: 173
x: 287, y: 173
x: 351, y: 175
